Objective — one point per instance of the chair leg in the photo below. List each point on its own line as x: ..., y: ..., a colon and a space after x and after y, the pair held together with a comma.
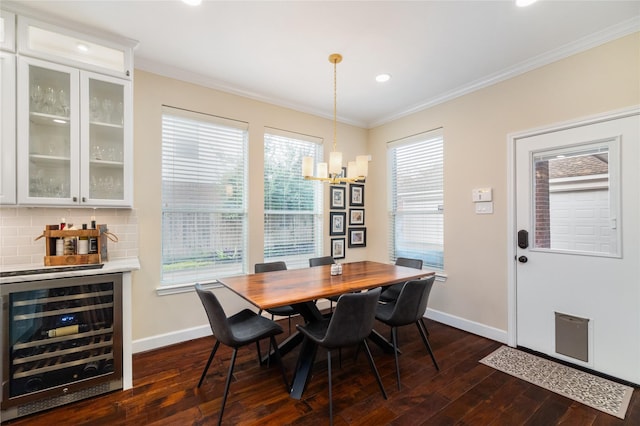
x: 226, y: 385
x: 213, y: 352
x: 424, y: 326
x: 289, y: 325
x: 279, y: 360
x: 330, y: 393
x: 394, y: 341
x: 260, y: 353
x: 426, y: 343
x: 373, y: 368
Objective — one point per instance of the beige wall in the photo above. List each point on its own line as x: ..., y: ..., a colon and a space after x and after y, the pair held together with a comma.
x: 155, y: 315
x: 475, y: 133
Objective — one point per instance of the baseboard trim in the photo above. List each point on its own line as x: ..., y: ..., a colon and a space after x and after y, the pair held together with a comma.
x: 161, y: 340
x: 167, y: 339
x: 469, y: 326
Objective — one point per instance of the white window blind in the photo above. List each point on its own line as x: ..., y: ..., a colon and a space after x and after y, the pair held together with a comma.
x: 416, y: 214
x: 292, y: 205
x: 203, y: 197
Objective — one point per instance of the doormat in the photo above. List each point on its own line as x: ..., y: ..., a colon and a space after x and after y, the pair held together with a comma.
x: 596, y: 392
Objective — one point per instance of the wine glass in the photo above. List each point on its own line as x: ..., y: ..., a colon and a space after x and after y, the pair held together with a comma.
x: 107, y: 108
x: 37, y: 95
x: 50, y: 101
x: 63, y: 103
x: 94, y: 108
x: 120, y: 112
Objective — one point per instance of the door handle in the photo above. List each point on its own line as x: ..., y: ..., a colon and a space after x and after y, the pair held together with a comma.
x: 523, y: 259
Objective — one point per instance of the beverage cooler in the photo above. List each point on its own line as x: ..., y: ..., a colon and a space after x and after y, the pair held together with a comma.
x: 62, y: 341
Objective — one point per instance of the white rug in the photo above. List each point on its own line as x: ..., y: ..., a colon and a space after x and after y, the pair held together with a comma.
x: 596, y: 392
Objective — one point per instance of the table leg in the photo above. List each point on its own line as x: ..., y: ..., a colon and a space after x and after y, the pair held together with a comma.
x: 310, y: 312
x: 301, y: 376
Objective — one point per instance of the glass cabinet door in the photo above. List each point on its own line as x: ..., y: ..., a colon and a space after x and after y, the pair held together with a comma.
x: 7, y: 128
x: 105, y: 140
x: 48, y: 148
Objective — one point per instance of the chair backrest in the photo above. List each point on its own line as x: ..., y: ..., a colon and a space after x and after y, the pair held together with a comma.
x: 410, y: 263
x: 352, y: 319
x: 270, y: 267
x: 324, y: 260
x: 217, y: 318
x: 412, y: 302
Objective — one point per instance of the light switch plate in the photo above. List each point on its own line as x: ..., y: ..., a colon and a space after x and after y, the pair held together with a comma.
x: 481, y: 194
x: 484, y: 207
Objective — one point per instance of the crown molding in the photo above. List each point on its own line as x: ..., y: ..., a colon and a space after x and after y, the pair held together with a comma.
x: 620, y: 30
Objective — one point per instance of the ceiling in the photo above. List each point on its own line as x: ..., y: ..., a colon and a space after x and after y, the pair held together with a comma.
x: 277, y: 51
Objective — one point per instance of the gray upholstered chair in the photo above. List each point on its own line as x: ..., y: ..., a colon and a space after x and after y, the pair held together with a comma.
x: 281, y: 311
x: 238, y: 330
x: 318, y: 261
x: 350, y: 324
x: 408, y: 308
x: 391, y: 293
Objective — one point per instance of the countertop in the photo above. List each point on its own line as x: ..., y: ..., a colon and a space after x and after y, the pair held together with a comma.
x: 114, y: 266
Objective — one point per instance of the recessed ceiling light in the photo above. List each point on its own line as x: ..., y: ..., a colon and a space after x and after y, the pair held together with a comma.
x: 59, y: 121
x: 192, y: 2
x: 381, y: 78
x: 525, y: 3
x: 82, y: 47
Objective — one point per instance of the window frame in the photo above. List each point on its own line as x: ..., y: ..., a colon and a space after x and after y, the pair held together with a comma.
x: 190, y: 276
x: 300, y: 259
x: 432, y: 253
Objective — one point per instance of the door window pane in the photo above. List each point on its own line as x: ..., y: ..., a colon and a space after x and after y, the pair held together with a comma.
x: 573, y: 200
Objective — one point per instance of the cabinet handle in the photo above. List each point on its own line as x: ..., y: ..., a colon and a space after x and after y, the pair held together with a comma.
x: 75, y: 199
x: 84, y: 200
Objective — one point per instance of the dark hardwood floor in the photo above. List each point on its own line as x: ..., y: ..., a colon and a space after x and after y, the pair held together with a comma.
x: 463, y: 392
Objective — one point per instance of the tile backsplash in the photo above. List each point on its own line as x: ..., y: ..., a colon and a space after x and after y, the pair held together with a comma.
x: 20, y: 226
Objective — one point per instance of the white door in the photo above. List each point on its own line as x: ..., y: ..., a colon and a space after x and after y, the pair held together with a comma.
x: 577, y: 246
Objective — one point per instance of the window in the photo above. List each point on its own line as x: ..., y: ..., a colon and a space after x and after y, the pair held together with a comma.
x: 417, y: 199
x: 204, y: 217
x: 292, y: 205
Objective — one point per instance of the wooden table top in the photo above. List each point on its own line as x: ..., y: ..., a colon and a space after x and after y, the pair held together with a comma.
x: 279, y: 288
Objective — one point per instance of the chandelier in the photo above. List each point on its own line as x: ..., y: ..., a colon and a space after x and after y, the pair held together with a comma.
x: 332, y: 173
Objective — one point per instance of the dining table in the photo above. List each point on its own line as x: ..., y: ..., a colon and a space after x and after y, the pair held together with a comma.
x: 301, y: 288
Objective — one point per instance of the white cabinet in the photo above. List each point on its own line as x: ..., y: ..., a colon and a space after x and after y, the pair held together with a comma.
x: 7, y: 128
x: 74, y: 137
x: 7, y: 31
x: 61, y: 45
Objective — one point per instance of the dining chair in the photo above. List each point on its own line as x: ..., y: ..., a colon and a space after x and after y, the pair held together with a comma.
x: 408, y: 308
x: 238, y: 330
x: 391, y: 293
x: 324, y: 260
x: 350, y: 324
x: 281, y: 311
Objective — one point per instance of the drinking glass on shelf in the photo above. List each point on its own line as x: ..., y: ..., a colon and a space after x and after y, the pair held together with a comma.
x: 37, y: 95
x: 120, y: 113
x: 107, y: 109
x: 94, y: 108
x: 97, y: 152
x: 50, y: 101
x: 63, y: 103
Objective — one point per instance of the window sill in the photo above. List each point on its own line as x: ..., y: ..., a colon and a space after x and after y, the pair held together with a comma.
x: 166, y: 290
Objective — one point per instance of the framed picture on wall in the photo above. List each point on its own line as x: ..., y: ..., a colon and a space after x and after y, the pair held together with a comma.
x: 337, y: 248
x: 337, y: 223
x: 356, y: 217
x: 337, y: 195
x: 357, y: 237
x: 356, y: 195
